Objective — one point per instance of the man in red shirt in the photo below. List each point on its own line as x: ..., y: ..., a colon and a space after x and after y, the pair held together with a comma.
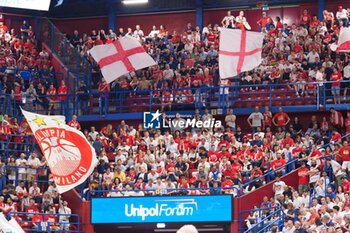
x: 103, y: 88
x: 347, y: 123
x: 336, y: 77
x: 344, y: 154
x: 278, y: 163
x: 62, y: 92
x: 280, y: 119
x: 31, y: 208
x: 265, y: 19
x: 287, y: 140
x: 303, y: 174
x: 74, y: 123
x: 305, y: 18
x: 254, y: 174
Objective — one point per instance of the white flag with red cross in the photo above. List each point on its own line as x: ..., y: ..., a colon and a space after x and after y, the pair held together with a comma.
x: 121, y: 57
x: 344, y: 40
x: 68, y: 153
x: 239, y: 51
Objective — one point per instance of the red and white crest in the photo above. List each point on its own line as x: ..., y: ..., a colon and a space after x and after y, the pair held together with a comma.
x: 68, y: 154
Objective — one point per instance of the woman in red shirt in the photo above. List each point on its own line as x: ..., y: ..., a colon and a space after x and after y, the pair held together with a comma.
x: 51, y: 92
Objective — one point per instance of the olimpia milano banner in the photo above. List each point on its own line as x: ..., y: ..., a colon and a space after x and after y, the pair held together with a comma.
x: 68, y: 153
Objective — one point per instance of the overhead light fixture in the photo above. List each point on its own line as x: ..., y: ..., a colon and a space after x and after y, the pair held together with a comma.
x: 132, y: 2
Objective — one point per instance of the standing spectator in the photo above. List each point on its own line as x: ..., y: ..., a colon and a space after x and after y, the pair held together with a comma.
x: 336, y: 77
x: 74, y: 123
x: 336, y: 119
x: 83, y: 97
x: 62, y: 92
x: 230, y: 120
x: 228, y: 21
x: 267, y: 118
x: 305, y: 18
x: 24, y: 31
x: 64, y: 219
x: 303, y: 178
x: 22, y: 162
x: 51, y: 93
x: 280, y: 119
x: 256, y: 119
x: 103, y: 88
x: 33, y: 163
x: 346, y: 79
x: 263, y: 21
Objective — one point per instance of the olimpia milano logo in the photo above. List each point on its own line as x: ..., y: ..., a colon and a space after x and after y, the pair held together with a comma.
x: 177, y: 208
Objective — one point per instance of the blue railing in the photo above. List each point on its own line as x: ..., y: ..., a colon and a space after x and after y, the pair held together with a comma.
x: 166, y: 191
x: 14, y: 144
x: 79, y: 68
x: 20, y: 173
x: 73, y: 225
x: 271, y: 174
x: 265, y: 219
x: 240, y: 97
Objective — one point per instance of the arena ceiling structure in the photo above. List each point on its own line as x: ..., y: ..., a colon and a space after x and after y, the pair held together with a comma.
x: 85, y: 8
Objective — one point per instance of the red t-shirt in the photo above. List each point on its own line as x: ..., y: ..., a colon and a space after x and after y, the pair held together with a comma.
x: 347, y: 125
x: 281, y: 118
x: 62, y: 90
x: 344, y: 152
x: 336, y: 78
x: 74, y: 124
x: 305, y: 18
x: 278, y: 163
x: 303, y: 179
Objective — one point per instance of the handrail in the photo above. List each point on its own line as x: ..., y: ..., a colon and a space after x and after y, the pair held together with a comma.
x: 119, y: 101
x: 168, y: 191
x: 268, y: 174
x: 77, y: 222
x: 261, y: 223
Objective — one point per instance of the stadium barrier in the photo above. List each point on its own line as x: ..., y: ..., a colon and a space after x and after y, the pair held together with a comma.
x: 263, y: 219
x: 48, y: 222
x: 240, y: 97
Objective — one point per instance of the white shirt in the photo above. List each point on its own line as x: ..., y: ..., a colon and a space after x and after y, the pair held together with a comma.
x: 256, y: 118
x: 21, y: 162
x: 279, y: 187
x: 231, y: 120
x: 64, y: 210
x: 93, y: 135
x: 347, y: 71
x: 311, y: 57
x: 319, y: 77
x: 343, y: 14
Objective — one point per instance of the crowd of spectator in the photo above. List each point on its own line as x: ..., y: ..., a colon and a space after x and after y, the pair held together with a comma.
x: 27, y: 76
x: 298, y: 53
x: 134, y: 161
x: 139, y: 161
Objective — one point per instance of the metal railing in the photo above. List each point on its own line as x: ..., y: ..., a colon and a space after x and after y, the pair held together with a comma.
x: 73, y: 225
x: 265, y: 219
x: 14, y: 144
x: 270, y: 175
x: 165, y: 192
x: 21, y: 173
x: 108, y: 104
x: 73, y: 59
